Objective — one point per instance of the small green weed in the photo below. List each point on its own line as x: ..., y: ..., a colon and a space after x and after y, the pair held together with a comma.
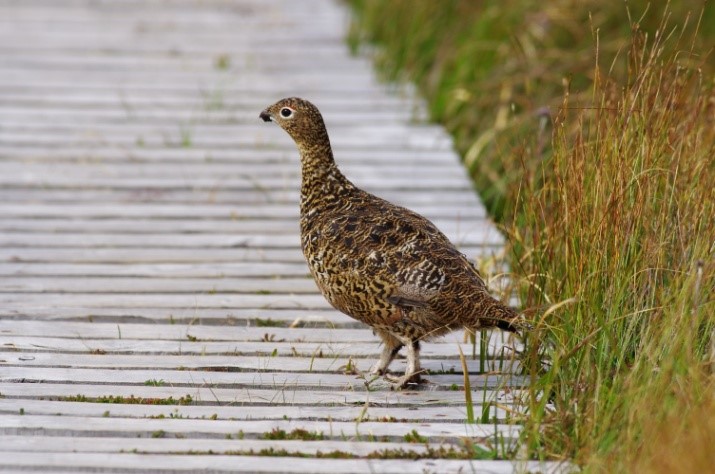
x: 414, y: 437
x: 222, y: 62
x: 268, y: 322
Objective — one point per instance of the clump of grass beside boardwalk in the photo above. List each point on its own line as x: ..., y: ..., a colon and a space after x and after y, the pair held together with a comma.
x: 590, y: 131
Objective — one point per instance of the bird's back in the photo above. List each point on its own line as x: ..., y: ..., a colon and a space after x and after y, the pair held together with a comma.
x: 388, y: 266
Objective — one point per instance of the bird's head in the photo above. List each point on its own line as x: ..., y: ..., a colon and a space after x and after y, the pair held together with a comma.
x: 298, y: 117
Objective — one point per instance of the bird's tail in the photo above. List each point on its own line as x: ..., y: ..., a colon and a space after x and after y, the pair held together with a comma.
x: 505, y: 325
x: 506, y: 318
x: 517, y: 325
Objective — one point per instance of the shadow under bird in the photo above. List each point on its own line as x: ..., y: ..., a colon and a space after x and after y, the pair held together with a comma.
x: 378, y: 262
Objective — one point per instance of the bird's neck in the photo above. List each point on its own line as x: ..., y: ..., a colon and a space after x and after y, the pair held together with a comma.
x: 322, y: 181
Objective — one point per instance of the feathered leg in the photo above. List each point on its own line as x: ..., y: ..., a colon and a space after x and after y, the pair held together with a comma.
x: 391, y: 346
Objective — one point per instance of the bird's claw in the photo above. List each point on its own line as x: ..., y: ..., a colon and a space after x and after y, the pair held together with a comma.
x: 405, y: 380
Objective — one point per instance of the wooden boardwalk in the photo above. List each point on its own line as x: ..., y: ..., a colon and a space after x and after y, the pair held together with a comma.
x: 155, y: 311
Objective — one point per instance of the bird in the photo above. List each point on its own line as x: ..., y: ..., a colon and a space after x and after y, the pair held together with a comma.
x: 377, y: 262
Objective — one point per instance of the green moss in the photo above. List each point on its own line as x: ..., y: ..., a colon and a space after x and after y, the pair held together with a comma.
x: 298, y: 433
x: 441, y: 452
x: 130, y: 400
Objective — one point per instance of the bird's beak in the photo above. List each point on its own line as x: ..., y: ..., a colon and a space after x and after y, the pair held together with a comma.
x: 265, y: 116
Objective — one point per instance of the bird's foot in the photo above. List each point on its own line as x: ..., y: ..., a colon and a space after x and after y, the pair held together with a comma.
x: 406, y: 380
x: 378, y: 369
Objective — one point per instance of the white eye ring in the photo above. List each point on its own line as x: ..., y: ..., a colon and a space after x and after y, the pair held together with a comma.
x: 286, y: 112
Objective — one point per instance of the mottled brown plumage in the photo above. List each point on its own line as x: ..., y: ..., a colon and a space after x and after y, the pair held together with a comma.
x: 377, y: 262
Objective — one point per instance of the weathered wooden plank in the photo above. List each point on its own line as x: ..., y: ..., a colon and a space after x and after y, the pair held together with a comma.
x: 77, y: 98
x: 326, y: 317
x: 478, y: 236
x: 50, y: 117
x: 174, y: 331
x: 247, y: 412
x: 228, y: 317
x: 259, y: 379
x: 332, y: 349
x: 216, y: 111
x: 213, y: 363
x: 124, y: 43
x: 88, y: 330
x: 65, y: 284
x: 433, y: 414
x: 217, y: 197
x: 209, y: 94
x: 210, y: 169
x: 178, y: 13
x: 155, y: 463
x: 228, y: 212
x: 231, y: 179
x: 121, y: 240
x: 160, y: 115
x: 237, y: 183
x: 197, y: 445
x: 130, y: 57
x: 425, y: 136
x: 133, y: 59
x: 288, y: 395
x: 218, y: 85
x: 251, y: 129
x: 458, y: 231
x: 198, y: 428
x: 159, y: 271
x: 162, y: 255
x: 250, y: 79
x: 169, y: 300
x: 279, y: 153
x: 228, y: 173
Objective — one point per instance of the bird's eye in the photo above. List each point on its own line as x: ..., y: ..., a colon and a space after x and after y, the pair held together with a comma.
x: 286, y: 112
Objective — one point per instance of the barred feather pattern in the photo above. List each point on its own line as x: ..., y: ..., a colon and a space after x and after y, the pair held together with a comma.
x: 377, y: 262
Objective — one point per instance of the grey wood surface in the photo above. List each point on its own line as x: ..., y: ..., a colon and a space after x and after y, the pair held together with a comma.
x: 155, y: 311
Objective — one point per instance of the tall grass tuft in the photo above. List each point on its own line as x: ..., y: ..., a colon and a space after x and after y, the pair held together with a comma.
x: 491, y: 69
x: 590, y: 129
x: 620, y: 218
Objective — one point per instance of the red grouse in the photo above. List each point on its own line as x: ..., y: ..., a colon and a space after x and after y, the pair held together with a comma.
x: 377, y: 262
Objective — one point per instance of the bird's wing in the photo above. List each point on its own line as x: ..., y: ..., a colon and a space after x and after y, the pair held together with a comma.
x: 403, y: 248
x: 417, y: 284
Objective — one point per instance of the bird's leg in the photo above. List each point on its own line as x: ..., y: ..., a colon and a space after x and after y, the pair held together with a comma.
x: 413, y: 370
x: 392, y: 346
